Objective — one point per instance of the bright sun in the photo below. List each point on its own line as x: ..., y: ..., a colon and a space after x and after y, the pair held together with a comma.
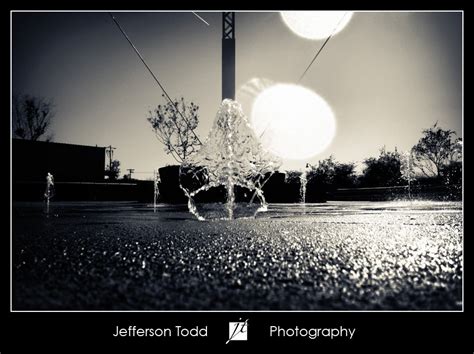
x: 316, y: 24
x: 292, y: 121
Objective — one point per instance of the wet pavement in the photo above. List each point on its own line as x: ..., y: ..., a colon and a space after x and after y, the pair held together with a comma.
x: 331, y: 256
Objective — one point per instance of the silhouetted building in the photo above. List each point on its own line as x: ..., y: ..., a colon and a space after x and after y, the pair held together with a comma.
x: 32, y: 160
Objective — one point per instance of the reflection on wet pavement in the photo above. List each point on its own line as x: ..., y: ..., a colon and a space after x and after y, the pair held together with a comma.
x: 332, y: 256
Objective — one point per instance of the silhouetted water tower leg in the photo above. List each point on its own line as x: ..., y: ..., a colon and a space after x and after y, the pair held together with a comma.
x: 228, y: 55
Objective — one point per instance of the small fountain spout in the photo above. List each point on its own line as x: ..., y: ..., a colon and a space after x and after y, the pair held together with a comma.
x: 49, y: 192
x: 303, y: 183
x: 156, y: 190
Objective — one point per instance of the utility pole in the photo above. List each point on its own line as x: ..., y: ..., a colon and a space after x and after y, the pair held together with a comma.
x: 109, y: 150
x: 228, y: 55
x: 130, y: 171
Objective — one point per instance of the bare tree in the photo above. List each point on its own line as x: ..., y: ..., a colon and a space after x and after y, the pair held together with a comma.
x: 31, y: 117
x: 434, y: 150
x: 174, y: 125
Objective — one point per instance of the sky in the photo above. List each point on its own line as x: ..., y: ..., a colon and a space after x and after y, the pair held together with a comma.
x: 387, y: 75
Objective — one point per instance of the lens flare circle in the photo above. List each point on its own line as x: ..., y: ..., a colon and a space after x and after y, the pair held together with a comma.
x: 316, y: 25
x: 292, y: 121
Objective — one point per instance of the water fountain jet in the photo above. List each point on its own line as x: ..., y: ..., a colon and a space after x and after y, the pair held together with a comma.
x: 303, y: 183
x: 406, y: 169
x: 156, y: 190
x: 49, y: 192
x: 222, y: 179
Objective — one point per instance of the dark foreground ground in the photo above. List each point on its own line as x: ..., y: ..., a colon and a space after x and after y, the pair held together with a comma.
x: 333, y: 256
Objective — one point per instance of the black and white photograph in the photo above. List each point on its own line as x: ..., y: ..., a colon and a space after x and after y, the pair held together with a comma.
x: 237, y: 161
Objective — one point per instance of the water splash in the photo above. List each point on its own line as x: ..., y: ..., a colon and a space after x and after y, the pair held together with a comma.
x: 303, y: 183
x: 49, y: 192
x: 225, y: 177
x: 407, y: 170
x: 156, y: 190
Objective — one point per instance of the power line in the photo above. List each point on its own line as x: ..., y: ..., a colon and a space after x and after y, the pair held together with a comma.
x: 321, y: 48
x: 153, y: 75
x: 143, y: 171
x: 199, y: 17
